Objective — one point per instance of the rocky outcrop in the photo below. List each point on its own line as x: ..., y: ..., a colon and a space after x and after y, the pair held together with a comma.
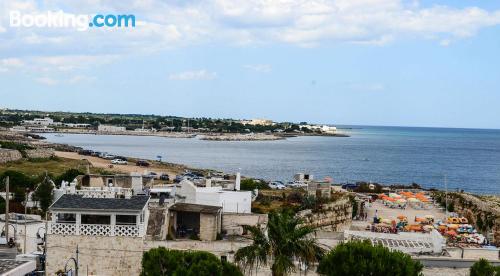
x: 40, y: 153
x: 8, y: 155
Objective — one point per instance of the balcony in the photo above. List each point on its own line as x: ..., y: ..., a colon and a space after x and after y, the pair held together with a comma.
x: 107, y: 230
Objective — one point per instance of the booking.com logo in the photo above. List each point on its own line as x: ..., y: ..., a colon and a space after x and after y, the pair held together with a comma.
x: 60, y: 19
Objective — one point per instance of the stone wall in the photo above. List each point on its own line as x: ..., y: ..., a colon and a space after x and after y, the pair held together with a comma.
x: 334, y: 216
x: 157, y: 222
x: 97, y: 255
x: 218, y: 248
x: 483, y: 214
x: 8, y: 155
x: 40, y: 153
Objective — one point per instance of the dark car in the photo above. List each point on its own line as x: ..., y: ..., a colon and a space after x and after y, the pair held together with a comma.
x: 121, y: 158
x: 142, y: 163
x: 164, y: 177
x: 85, y: 152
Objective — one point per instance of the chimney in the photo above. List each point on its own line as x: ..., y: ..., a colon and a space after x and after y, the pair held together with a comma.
x: 238, y: 180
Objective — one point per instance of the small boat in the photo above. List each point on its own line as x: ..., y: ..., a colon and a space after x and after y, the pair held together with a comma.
x: 59, y: 135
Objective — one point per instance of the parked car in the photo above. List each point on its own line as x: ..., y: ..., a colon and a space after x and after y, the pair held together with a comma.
x: 119, y: 162
x: 85, y: 152
x: 277, y: 185
x: 109, y: 157
x: 96, y: 153
x: 296, y: 184
x: 142, y: 163
x: 122, y: 158
x: 164, y: 176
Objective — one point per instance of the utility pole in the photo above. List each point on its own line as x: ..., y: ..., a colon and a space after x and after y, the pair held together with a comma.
x: 25, y: 219
x: 7, y: 208
x: 77, y: 264
x: 446, y: 194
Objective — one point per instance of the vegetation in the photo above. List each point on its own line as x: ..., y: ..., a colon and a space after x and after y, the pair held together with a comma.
x: 161, y: 262
x: 43, y: 194
x: 249, y: 184
x: 132, y: 121
x: 68, y: 176
x: 15, y: 146
x: 362, y: 258
x: 484, y: 268
x: 287, y: 240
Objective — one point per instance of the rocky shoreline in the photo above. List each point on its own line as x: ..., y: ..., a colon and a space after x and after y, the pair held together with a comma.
x: 241, y: 137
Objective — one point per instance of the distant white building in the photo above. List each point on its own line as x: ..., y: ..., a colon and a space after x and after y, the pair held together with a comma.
x: 39, y: 122
x: 231, y: 201
x: 109, y: 128
x: 71, y: 125
x: 255, y: 122
x: 322, y: 128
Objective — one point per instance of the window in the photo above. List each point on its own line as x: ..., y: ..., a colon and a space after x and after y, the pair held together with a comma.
x: 96, y: 219
x: 66, y: 218
x: 126, y: 219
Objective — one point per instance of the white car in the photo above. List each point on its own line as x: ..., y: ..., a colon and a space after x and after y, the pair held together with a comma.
x: 119, y: 162
x: 277, y: 185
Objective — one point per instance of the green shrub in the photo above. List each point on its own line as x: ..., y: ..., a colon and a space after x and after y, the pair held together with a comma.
x: 362, y: 258
x: 484, y: 268
x: 162, y: 262
x: 249, y: 184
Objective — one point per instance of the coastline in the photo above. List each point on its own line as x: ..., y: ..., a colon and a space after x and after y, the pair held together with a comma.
x: 208, y: 136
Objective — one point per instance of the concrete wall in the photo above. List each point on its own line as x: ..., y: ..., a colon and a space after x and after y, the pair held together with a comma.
x: 40, y: 153
x: 218, y: 248
x: 232, y: 224
x: 31, y: 239
x: 208, y: 227
x: 236, y: 202
x: 230, y: 201
x: 7, y: 155
x: 98, y: 255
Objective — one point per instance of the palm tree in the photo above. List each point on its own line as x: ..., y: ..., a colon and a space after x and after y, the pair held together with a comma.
x: 287, y: 241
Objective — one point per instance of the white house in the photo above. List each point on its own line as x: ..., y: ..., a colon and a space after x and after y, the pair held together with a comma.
x: 231, y: 201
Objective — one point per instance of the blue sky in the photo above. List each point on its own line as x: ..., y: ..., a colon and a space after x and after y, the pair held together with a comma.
x: 369, y: 62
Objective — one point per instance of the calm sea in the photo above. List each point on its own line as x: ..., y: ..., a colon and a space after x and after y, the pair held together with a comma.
x: 470, y: 158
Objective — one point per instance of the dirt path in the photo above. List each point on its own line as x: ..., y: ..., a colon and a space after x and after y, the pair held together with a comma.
x: 131, y: 167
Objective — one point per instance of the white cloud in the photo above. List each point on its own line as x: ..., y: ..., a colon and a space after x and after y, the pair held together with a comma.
x: 47, y: 81
x: 193, y: 75
x: 163, y: 25
x: 7, y: 64
x: 261, y: 68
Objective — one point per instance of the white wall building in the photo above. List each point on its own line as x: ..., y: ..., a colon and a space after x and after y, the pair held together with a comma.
x: 39, y: 122
x: 230, y: 201
x: 109, y: 128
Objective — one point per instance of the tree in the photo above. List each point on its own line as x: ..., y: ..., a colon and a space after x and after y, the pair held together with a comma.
x: 161, y: 261
x: 287, y: 241
x: 484, y: 268
x: 68, y: 175
x: 362, y: 258
x: 43, y: 194
x: 249, y: 184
